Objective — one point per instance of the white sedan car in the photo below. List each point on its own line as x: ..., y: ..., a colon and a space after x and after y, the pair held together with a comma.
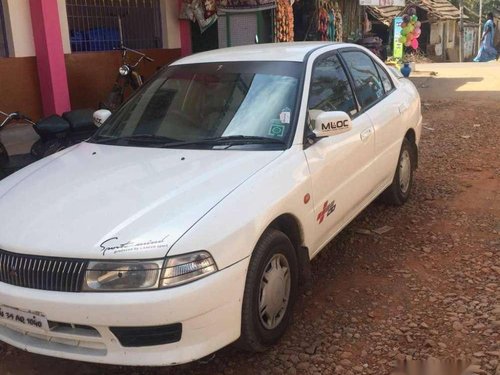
x: 187, y: 222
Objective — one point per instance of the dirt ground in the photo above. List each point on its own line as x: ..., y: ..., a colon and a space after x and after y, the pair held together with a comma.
x: 459, y: 81
x: 427, y: 288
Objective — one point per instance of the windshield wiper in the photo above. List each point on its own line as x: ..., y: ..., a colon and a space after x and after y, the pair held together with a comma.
x: 230, y: 140
x: 135, y: 138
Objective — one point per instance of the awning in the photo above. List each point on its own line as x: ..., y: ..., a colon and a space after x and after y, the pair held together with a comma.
x: 244, y: 5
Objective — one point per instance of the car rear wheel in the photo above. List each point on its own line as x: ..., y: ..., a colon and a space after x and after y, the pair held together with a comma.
x: 4, y: 161
x: 270, y: 291
x: 399, y: 191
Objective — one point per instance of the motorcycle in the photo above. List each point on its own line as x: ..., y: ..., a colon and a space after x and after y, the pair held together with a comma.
x: 59, y: 132
x: 375, y: 45
x: 128, y: 76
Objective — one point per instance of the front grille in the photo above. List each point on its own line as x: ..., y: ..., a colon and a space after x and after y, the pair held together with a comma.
x: 44, y: 273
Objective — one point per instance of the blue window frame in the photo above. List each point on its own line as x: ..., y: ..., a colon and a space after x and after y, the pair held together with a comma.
x: 100, y: 25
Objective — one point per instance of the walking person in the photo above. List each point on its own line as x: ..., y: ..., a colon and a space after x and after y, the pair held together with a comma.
x: 487, y: 52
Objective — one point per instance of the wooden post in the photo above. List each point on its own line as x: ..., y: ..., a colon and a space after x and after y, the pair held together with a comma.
x: 480, y: 24
x: 461, y: 45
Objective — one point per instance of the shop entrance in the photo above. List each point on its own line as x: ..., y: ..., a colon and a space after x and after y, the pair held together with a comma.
x: 206, y: 41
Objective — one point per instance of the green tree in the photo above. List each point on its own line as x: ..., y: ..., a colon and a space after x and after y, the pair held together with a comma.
x: 488, y: 5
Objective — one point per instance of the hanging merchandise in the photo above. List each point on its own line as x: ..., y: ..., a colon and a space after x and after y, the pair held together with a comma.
x: 410, y: 29
x: 329, y: 21
x: 330, y: 35
x: 338, y: 24
x: 210, y: 8
x: 322, y: 24
x: 283, y: 23
x: 201, y: 11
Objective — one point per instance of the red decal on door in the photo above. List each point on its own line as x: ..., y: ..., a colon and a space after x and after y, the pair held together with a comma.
x: 326, y: 211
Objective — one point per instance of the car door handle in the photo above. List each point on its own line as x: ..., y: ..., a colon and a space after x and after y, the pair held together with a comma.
x: 402, y: 107
x: 365, y: 134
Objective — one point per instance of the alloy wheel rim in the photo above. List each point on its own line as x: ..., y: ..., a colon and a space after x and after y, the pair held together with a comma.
x: 404, y: 171
x: 274, y: 292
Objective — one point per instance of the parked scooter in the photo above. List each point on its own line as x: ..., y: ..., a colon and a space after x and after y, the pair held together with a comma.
x: 59, y: 132
x: 54, y: 136
x: 11, y: 163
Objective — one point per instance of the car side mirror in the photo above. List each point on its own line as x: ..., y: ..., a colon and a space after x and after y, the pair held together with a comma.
x: 100, y: 116
x: 327, y: 124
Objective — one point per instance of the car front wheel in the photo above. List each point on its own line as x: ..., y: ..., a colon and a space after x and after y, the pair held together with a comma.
x: 270, y: 291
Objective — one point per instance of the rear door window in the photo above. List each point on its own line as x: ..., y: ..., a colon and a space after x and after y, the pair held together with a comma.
x: 367, y: 83
x: 386, y: 80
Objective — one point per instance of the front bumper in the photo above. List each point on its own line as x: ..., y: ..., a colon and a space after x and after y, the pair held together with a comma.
x: 208, y: 309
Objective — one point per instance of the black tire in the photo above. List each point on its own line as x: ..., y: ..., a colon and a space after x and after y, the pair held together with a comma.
x: 398, y: 193
x: 4, y: 156
x: 41, y: 149
x: 255, y: 336
x: 37, y: 149
x: 56, y: 145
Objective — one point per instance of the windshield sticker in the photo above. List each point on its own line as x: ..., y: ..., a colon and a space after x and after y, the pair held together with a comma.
x: 328, y: 208
x: 115, y: 246
x: 277, y: 129
x: 285, y: 115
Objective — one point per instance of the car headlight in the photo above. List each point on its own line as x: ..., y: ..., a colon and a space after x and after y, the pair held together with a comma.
x: 108, y: 276
x: 124, y: 70
x: 111, y: 276
x: 185, y: 268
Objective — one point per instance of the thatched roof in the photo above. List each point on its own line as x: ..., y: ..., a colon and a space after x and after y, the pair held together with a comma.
x: 436, y: 9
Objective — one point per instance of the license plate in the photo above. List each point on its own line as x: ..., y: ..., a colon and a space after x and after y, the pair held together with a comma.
x: 24, y: 318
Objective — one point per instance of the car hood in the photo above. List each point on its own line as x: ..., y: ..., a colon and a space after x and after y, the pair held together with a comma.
x: 100, y: 201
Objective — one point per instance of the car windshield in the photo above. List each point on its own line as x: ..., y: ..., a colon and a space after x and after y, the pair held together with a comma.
x: 244, y: 104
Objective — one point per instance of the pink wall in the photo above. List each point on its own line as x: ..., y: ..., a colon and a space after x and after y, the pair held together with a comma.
x: 50, y: 56
x: 185, y: 30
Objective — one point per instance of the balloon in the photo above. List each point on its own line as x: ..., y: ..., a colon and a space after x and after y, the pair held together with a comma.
x: 410, y: 28
x: 410, y: 36
x: 414, y: 43
x: 402, y: 39
x: 403, y: 25
x: 404, y: 32
x: 406, y: 18
x: 412, y: 11
x: 417, y: 32
x: 408, y: 43
x: 414, y: 18
x: 418, y: 24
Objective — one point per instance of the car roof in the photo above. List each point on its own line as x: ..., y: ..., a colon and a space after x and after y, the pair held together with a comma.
x: 293, y: 51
